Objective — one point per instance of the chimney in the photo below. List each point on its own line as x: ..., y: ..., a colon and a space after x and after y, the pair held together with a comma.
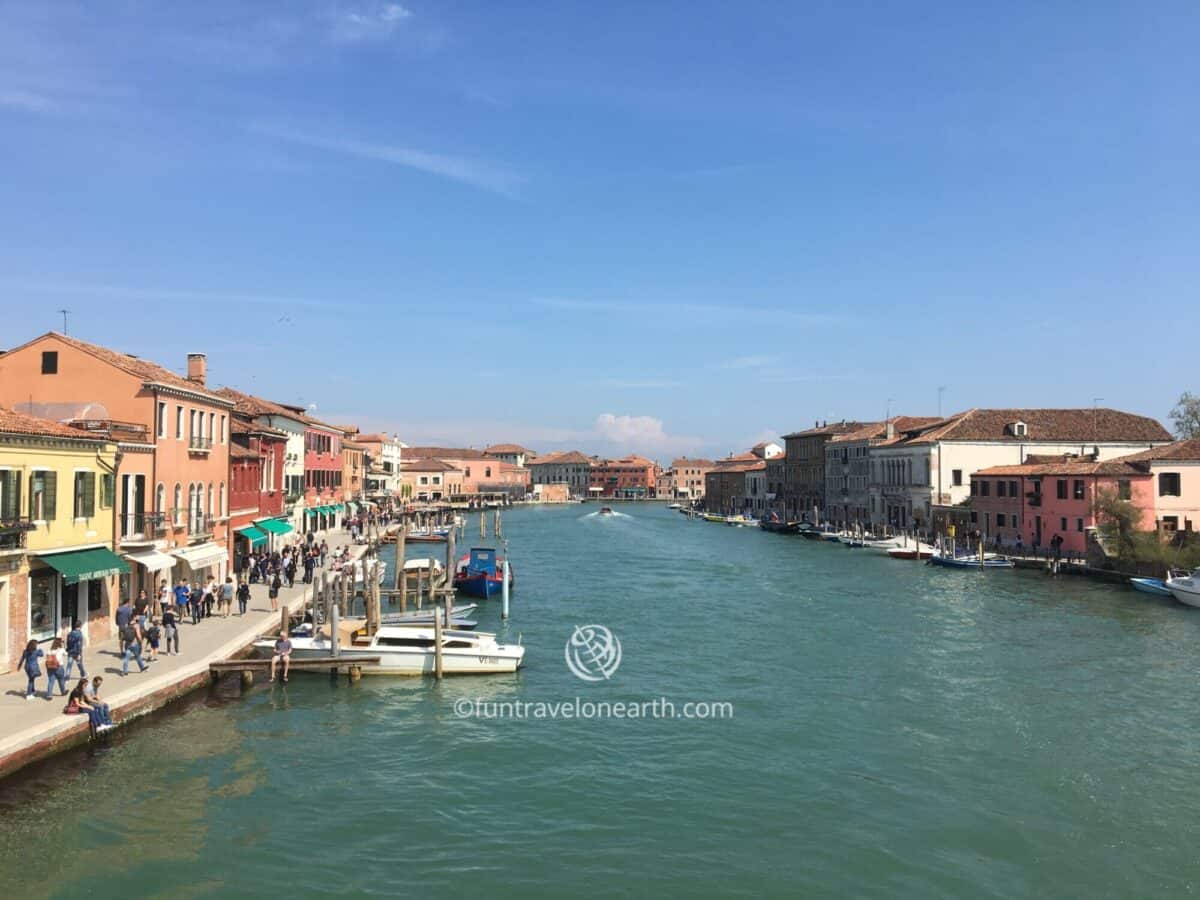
x: 197, y: 367
x: 891, y: 430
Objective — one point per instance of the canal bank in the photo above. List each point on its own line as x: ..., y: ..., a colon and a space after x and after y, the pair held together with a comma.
x: 36, y: 729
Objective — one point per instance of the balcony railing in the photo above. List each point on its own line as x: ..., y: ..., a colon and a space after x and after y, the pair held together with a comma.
x: 13, y: 530
x: 199, y: 444
x: 200, y: 526
x: 144, y: 526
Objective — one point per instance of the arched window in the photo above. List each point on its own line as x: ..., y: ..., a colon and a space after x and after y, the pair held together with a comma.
x: 160, y: 499
x: 209, y: 509
x: 221, y: 511
x: 177, y: 512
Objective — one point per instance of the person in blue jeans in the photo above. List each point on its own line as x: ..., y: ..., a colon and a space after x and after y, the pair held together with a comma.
x: 56, y: 665
x: 29, y: 662
x: 133, y: 648
x: 75, y: 650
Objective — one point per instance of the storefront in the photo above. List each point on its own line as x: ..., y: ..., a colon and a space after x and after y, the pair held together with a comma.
x: 68, y: 585
x: 276, y: 528
x: 200, y: 562
x: 248, y: 539
x: 149, y: 567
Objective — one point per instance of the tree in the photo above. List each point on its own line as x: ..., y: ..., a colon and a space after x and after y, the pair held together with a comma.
x: 1186, y: 416
x: 1118, y: 521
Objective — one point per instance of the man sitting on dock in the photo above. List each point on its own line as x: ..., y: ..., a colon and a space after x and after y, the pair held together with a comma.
x: 283, y: 651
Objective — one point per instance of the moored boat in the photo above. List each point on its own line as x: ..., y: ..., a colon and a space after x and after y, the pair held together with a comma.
x: 714, y: 517
x: 606, y: 510
x: 478, y: 574
x: 773, y: 522
x: 912, y: 551
x: 1155, y: 586
x: 971, y: 562
x: 1185, y: 588
x: 428, y: 535
x: 410, y: 649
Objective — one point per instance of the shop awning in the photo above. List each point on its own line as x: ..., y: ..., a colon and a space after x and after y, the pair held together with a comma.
x: 152, y: 560
x: 254, y: 535
x: 312, y: 511
x: 83, y: 565
x: 352, y: 507
x: 201, y: 555
x: 274, y: 526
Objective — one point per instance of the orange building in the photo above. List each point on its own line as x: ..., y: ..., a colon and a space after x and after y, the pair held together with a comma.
x: 171, y: 494
x: 631, y: 477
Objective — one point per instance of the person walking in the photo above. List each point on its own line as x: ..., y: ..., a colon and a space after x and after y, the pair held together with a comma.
x: 210, y: 597
x: 132, y: 638
x: 227, y: 596
x: 196, y: 602
x: 124, y: 616
x: 56, y: 666
x: 75, y: 649
x: 276, y: 584
x: 164, y: 597
x: 243, y: 597
x: 309, y: 563
x: 141, y: 609
x: 324, y: 553
x: 153, y: 635
x: 291, y: 571
x: 29, y: 662
x: 170, y: 625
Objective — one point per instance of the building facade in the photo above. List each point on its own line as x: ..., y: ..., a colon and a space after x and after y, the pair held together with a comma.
x: 630, y: 478
x: 571, y: 468
x: 804, y: 477
x: 1175, y: 472
x: 172, y: 497
x: 687, y: 481
x: 57, y: 518
x: 514, y: 454
x: 430, y: 479
x: 930, y: 466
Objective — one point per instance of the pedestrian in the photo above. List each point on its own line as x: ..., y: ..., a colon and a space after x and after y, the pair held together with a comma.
x: 1020, y: 545
x: 276, y: 584
x: 170, y: 625
x: 29, y: 662
x: 75, y: 649
x: 132, y: 639
x: 324, y: 553
x: 291, y: 571
x: 243, y: 597
x: 164, y: 597
x: 283, y: 653
x: 227, y: 596
x: 124, y: 616
x: 153, y: 635
x: 196, y: 602
x: 141, y: 609
x: 309, y: 562
x: 56, y: 666
x: 92, y: 693
x: 210, y: 597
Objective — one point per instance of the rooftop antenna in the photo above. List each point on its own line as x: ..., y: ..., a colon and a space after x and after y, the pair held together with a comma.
x: 65, y: 313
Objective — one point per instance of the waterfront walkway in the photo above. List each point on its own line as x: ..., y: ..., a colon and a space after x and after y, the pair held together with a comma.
x: 31, y: 729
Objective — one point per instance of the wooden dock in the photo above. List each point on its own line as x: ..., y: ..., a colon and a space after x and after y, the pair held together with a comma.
x: 351, y: 666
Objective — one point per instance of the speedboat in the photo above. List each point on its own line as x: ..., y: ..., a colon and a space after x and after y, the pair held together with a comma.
x: 606, y: 510
x: 912, y: 551
x: 674, y: 506
x: 409, y: 649
x: 738, y: 521
x: 971, y: 562
x: 379, y: 566
x: 714, y: 517
x: 1185, y: 588
x: 1155, y: 586
x: 428, y: 535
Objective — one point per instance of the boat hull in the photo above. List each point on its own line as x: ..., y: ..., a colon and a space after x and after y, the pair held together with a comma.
x: 411, y: 662
x: 951, y: 562
x: 1153, y: 586
x: 1186, y: 590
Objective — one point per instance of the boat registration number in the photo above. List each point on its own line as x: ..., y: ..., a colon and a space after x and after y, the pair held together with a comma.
x: 489, y: 660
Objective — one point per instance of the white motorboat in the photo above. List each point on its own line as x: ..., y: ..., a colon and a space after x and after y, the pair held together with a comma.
x: 1185, y: 588
x: 379, y: 567
x: 413, y: 566
x: 674, y: 506
x: 410, y: 649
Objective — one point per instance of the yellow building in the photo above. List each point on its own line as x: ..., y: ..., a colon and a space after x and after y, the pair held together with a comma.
x: 56, y: 532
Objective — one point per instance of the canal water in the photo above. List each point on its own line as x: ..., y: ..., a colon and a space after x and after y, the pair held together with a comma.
x: 897, y: 731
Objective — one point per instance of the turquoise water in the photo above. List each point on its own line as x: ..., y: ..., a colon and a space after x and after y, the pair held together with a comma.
x: 897, y: 731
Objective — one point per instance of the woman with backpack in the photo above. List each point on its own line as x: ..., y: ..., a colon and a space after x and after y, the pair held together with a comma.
x: 56, y: 667
x: 29, y: 662
x: 276, y: 584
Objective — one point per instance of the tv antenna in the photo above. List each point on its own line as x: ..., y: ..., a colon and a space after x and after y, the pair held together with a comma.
x: 65, y: 313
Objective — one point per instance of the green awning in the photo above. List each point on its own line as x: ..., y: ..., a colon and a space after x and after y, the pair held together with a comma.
x: 84, y: 565
x: 275, y: 526
x: 312, y: 511
x: 352, y: 508
x: 254, y: 535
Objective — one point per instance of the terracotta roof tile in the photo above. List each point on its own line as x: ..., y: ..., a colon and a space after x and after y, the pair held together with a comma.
x: 442, y: 453
x: 1057, y: 425
x: 568, y: 457
x: 13, y: 422
x: 508, y: 448
x: 1064, y: 466
x: 1180, y: 451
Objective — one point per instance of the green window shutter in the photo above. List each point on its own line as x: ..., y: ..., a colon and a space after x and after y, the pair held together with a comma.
x: 89, y: 494
x: 10, y: 489
x: 50, y: 504
x: 106, y: 490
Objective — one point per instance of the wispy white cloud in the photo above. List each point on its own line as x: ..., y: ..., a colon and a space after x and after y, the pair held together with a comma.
x: 750, y: 362
x: 644, y: 434
x: 26, y: 101
x: 370, y: 22
x: 456, y: 168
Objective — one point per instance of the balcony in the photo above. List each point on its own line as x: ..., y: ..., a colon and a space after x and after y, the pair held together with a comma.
x: 200, y: 526
x: 199, y: 444
x: 142, y: 527
x: 13, y: 530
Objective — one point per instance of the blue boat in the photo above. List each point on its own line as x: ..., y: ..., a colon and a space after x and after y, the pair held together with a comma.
x: 1155, y: 586
x: 478, y: 573
x: 971, y: 562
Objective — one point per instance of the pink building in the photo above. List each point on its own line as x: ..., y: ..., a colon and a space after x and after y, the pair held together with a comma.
x: 1046, y: 496
x: 1175, y: 470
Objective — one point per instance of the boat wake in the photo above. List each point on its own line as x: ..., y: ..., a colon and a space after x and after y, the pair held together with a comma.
x: 606, y: 515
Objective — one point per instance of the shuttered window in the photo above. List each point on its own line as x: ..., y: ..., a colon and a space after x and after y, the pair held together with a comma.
x: 10, y: 495
x: 85, y: 495
x: 106, y: 490
x: 43, y: 495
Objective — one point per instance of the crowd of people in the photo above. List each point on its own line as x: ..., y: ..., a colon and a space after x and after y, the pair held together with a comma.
x: 147, y: 626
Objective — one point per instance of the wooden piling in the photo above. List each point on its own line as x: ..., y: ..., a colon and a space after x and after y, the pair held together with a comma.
x: 284, y: 619
x: 437, y: 644
x: 483, y: 524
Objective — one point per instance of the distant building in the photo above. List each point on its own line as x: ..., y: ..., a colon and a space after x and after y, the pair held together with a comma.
x: 848, y: 468
x: 386, y: 455
x: 1175, y: 470
x: 736, y: 484
x: 571, y: 468
x: 630, y: 478
x: 482, y: 474
x: 687, y: 479
x: 804, y: 470
x: 1047, y: 496
x: 929, y: 466
x: 430, y: 479
x: 514, y: 454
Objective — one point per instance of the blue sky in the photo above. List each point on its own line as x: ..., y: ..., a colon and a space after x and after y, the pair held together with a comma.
x: 663, y: 227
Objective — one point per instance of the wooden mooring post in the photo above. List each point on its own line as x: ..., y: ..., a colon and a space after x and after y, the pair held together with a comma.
x: 437, y: 644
